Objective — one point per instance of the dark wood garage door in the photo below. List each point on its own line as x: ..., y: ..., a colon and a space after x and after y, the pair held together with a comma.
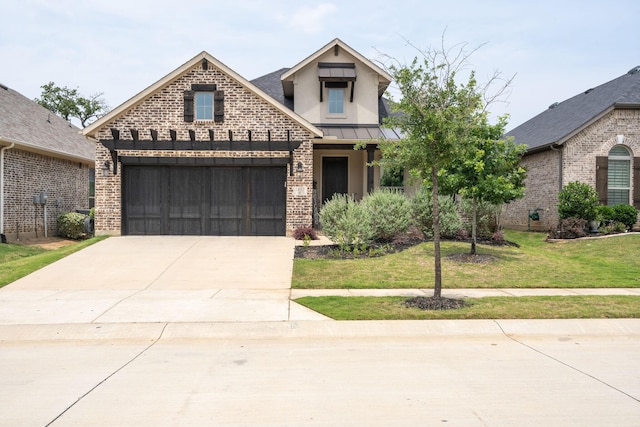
x: 217, y: 201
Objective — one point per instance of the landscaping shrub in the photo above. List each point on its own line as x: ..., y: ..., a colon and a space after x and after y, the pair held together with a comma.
x: 604, y: 214
x: 450, y: 222
x: 577, y: 200
x: 302, y: 233
x: 626, y: 214
x: 346, y: 221
x: 71, y: 225
x: 612, y: 227
x: 389, y: 212
x: 570, y: 228
x: 486, y: 217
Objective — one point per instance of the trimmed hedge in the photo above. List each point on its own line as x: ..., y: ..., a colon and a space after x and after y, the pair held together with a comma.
x: 71, y: 225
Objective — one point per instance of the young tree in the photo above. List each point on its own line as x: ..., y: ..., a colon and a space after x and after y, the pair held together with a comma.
x: 69, y: 103
x: 437, y: 117
x: 491, y: 172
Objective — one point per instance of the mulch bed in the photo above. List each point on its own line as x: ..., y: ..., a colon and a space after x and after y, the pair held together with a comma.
x: 434, y: 303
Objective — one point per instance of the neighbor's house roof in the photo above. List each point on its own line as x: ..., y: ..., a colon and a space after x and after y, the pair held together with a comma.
x: 93, y: 129
x: 563, y: 120
x: 33, y: 128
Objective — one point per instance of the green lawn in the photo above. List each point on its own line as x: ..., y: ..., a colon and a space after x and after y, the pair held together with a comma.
x: 17, y: 261
x: 607, y: 262
x: 556, y: 307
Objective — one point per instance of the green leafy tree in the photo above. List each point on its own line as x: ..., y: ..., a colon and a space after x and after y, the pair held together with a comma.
x: 68, y: 103
x: 490, y: 172
x: 437, y: 117
x: 577, y: 200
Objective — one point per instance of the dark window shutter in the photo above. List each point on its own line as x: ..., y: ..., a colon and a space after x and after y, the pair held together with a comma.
x: 636, y: 182
x: 218, y: 105
x: 602, y: 178
x: 188, y: 105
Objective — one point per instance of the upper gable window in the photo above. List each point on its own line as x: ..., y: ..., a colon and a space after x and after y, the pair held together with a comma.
x: 204, y: 105
x: 336, y: 101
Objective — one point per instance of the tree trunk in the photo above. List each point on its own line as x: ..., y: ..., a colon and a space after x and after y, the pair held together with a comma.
x: 474, y: 228
x: 437, y: 288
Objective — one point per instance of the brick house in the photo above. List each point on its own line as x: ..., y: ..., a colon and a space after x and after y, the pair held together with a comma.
x: 204, y: 151
x: 39, y: 153
x: 593, y: 137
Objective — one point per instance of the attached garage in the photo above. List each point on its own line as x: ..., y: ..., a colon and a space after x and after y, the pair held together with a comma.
x: 204, y: 200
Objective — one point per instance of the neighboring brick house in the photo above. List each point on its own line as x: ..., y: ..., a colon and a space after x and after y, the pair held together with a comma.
x: 203, y: 151
x: 593, y: 137
x: 39, y: 153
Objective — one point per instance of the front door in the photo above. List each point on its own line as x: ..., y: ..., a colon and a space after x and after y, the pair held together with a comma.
x: 335, y: 172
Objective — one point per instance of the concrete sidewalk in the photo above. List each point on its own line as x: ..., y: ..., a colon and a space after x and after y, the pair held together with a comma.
x: 465, y: 293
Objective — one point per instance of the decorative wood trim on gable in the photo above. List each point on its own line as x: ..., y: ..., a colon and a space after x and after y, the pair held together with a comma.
x: 193, y: 145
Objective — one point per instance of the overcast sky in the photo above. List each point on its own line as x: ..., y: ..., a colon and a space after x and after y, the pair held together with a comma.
x: 555, y: 49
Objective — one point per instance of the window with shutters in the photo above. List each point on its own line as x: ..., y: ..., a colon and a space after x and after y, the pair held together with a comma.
x: 618, y: 176
x: 204, y: 105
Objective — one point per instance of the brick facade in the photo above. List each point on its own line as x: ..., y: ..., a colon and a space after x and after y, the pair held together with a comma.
x: 578, y: 156
x: 244, y: 111
x: 66, y: 183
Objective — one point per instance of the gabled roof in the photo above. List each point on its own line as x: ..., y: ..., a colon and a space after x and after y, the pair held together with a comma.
x: 563, y: 120
x: 385, y: 78
x: 92, y: 129
x: 32, y: 127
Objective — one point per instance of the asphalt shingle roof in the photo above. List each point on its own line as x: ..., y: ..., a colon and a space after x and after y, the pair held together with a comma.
x: 25, y: 121
x: 563, y: 119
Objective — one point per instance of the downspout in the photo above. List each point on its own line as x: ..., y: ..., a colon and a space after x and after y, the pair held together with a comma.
x: 2, y: 150
x: 558, y: 148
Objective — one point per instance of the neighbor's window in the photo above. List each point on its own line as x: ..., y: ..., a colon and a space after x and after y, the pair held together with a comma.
x: 204, y: 106
x: 336, y: 101
x: 619, y: 176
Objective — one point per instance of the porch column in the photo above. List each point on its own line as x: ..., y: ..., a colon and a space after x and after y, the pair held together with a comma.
x: 371, y: 149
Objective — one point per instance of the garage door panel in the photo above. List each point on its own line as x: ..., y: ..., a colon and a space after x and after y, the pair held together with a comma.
x: 268, y: 194
x: 186, y: 200
x: 144, y: 194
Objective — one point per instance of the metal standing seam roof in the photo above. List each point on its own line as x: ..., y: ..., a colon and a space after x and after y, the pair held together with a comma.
x: 563, y: 119
x: 34, y: 128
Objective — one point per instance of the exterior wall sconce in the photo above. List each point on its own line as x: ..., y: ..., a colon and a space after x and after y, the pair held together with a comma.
x: 300, y: 168
x: 105, y: 168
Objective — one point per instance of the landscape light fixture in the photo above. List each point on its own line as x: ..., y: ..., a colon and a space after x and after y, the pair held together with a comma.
x: 105, y: 168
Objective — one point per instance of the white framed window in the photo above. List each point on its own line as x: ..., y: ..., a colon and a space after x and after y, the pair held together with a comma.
x: 619, y: 176
x: 336, y: 101
x: 204, y: 105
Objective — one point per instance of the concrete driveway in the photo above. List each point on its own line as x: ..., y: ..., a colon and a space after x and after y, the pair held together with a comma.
x: 161, y: 279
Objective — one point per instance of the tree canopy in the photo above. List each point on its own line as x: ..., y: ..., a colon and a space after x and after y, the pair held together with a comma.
x: 68, y: 103
x: 437, y: 119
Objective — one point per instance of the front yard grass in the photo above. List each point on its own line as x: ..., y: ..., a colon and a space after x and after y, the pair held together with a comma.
x: 598, y: 263
x: 556, y: 307
x: 17, y: 261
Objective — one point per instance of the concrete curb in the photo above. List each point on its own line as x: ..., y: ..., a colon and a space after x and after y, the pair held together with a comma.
x: 419, y: 329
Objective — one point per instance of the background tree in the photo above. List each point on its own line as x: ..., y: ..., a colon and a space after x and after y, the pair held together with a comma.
x: 68, y: 103
x: 491, y: 172
x: 437, y: 117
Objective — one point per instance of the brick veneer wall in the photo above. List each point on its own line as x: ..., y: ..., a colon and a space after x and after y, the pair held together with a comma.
x: 578, y: 164
x: 27, y: 174
x: 243, y: 111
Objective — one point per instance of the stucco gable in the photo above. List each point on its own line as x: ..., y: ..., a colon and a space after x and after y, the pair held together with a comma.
x: 287, y: 77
